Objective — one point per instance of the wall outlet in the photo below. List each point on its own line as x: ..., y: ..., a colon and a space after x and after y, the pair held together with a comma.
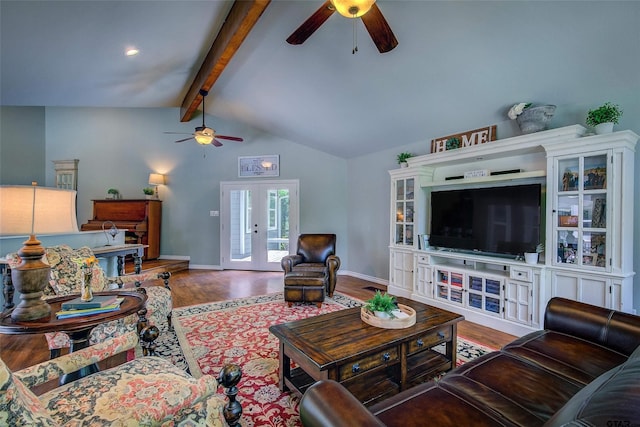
x: 214, y: 213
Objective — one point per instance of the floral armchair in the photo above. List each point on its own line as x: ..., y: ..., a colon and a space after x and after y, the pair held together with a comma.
x: 144, y: 391
x: 67, y: 277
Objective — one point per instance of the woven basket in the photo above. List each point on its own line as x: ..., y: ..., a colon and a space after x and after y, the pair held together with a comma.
x: 371, y: 319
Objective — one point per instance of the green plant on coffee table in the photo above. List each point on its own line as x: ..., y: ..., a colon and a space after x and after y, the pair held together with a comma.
x: 148, y: 191
x: 382, y: 302
x: 402, y: 157
x: 607, y: 113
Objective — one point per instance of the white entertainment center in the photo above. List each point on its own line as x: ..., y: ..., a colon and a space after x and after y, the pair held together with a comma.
x: 587, y: 221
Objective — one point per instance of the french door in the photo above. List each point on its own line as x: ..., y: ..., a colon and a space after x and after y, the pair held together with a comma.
x: 258, y: 223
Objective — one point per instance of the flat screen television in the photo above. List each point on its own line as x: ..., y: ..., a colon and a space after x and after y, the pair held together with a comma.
x: 502, y: 220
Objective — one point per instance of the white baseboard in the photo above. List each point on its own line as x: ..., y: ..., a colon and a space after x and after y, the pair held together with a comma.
x: 175, y: 257
x: 205, y: 267
x: 363, y: 277
x: 218, y: 267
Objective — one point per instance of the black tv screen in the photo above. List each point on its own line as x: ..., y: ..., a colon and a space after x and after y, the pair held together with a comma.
x: 494, y: 220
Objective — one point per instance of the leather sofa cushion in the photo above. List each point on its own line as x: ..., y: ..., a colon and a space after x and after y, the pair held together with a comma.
x: 434, y: 406
x: 311, y: 267
x: 612, y: 399
x: 613, y: 329
x: 522, y: 392
x: 498, y: 388
x: 561, y: 354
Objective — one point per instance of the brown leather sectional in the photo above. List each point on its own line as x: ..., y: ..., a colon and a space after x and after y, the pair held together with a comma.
x: 583, y: 369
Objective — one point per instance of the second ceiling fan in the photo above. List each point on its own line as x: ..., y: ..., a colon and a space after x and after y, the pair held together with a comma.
x: 204, y: 135
x: 373, y: 20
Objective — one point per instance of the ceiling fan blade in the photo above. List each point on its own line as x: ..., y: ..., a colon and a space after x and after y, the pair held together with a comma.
x: 177, y: 133
x: 216, y: 143
x: 314, y: 22
x: 183, y: 140
x: 231, y: 138
x: 379, y: 30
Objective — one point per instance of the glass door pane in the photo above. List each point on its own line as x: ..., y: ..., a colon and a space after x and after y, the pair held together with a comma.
x: 278, y: 224
x: 595, y: 172
x: 569, y: 172
x: 240, y: 232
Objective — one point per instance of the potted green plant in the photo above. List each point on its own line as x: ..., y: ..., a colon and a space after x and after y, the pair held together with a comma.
x: 604, y: 117
x: 532, y: 257
x: 453, y: 143
x: 148, y: 191
x: 402, y: 159
x: 382, y: 305
x: 113, y: 193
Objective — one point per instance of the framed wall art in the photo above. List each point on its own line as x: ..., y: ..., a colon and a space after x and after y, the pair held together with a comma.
x: 256, y: 166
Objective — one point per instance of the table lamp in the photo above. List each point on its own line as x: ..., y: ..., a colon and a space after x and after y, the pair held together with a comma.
x: 156, y: 179
x: 27, y: 210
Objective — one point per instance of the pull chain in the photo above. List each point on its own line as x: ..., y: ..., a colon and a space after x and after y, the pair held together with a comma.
x: 355, y: 36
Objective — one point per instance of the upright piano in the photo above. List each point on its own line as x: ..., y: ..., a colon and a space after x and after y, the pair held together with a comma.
x: 141, y: 218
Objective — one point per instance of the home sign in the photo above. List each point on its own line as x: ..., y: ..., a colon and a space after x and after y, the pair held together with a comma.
x: 464, y: 139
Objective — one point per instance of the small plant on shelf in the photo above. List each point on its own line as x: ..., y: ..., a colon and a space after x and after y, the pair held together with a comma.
x: 538, y: 249
x: 607, y: 113
x: 113, y: 193
x: 382, y: 303
x: 453, y: 143
x: 148, y: 191
x: 402, y: 157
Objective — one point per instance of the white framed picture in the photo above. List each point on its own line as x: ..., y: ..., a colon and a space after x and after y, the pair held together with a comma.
x: 256, y: 166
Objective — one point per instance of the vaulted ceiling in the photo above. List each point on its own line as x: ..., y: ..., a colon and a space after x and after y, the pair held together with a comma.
x: 459, y: 65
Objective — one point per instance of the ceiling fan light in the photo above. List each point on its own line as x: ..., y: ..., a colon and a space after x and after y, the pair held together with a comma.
x: 204, y: 136
x: 352, y: 8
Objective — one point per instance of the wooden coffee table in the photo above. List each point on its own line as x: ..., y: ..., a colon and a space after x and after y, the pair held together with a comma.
x: 372, y: 363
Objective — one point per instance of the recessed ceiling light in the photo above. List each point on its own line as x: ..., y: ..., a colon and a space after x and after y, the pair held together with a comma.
x: 132, y: 51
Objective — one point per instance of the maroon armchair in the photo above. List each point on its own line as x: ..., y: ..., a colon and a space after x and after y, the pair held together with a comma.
x: 315, y: 253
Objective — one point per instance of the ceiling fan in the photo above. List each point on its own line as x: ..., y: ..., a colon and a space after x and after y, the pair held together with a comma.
x: 204, y: 135
x: 376, y: 24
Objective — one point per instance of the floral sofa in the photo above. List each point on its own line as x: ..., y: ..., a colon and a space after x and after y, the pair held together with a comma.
x: 143, y: 392
x: 67, y: 277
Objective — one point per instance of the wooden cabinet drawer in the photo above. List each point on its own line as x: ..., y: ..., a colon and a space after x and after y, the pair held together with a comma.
x: 367, y: 363
x: 429, y: 340
x: 423, y: 259
x: 521, y: 273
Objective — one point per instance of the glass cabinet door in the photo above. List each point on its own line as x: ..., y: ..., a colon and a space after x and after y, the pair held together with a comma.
x: 581, y: 205
x: 404, y: 211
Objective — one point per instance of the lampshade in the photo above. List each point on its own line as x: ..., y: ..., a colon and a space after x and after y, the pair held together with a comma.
x: 352, y: 8
x: 44, y: 210
x: 204, y: 135
x: 156, y: 179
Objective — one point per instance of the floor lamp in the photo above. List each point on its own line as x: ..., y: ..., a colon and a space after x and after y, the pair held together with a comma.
x: 30, y: 210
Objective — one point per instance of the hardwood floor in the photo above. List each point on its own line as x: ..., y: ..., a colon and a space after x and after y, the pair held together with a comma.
x: 190, y: 287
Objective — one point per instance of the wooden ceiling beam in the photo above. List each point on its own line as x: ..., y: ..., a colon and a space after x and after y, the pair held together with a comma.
x: 240, y: 21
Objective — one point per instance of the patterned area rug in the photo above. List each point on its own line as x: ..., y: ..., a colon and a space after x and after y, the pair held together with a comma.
x: 207, y: 336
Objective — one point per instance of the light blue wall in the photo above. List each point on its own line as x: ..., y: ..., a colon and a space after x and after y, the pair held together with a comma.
x: 119, y: 148
x: 22, y: 141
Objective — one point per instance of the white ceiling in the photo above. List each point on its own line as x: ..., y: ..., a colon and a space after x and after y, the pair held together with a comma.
x: 459, y: 65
